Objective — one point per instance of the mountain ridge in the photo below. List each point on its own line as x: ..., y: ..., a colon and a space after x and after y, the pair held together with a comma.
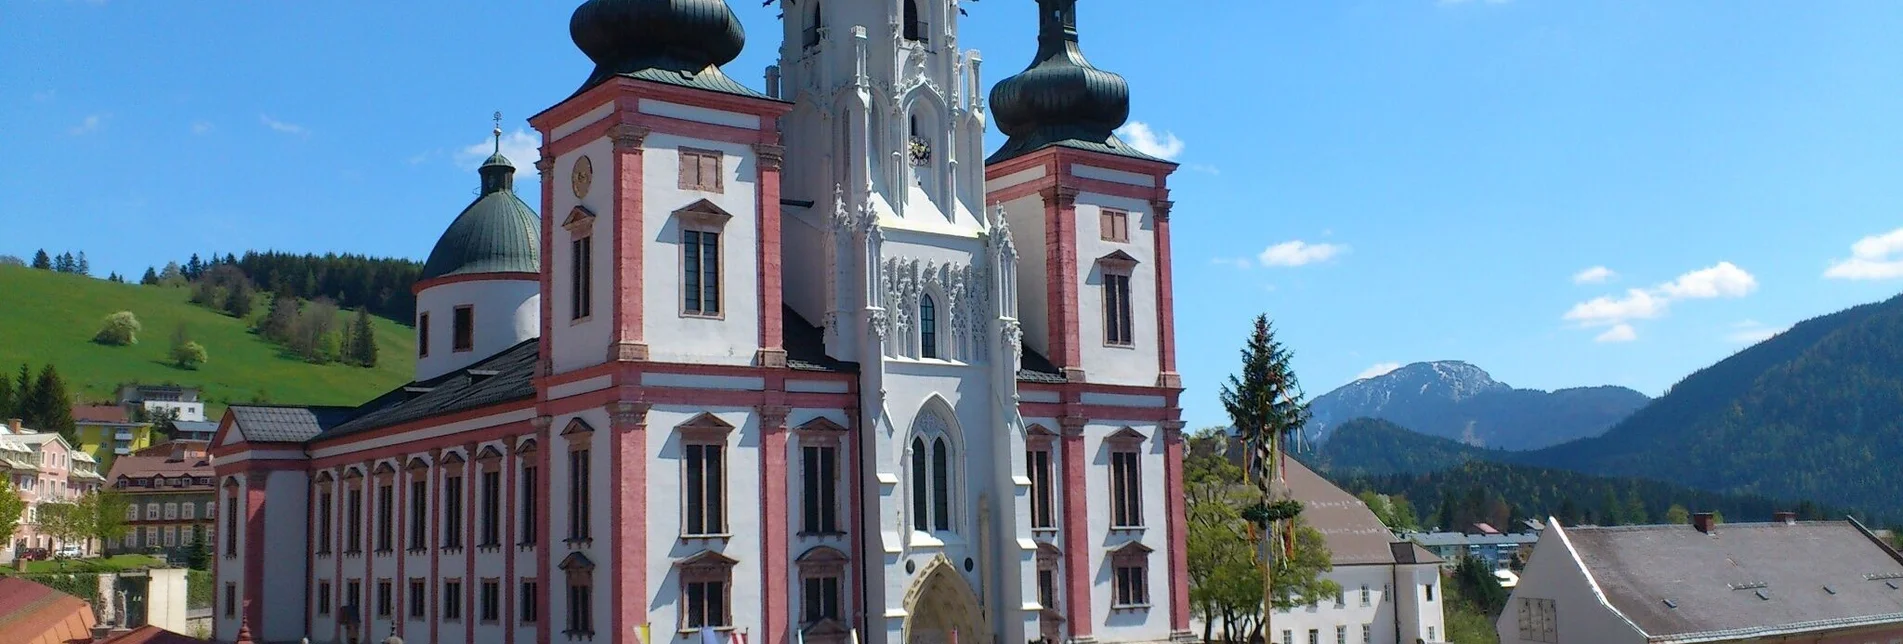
x: 1458, y: 400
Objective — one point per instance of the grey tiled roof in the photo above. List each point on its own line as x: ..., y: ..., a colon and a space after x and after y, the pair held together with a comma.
x: 284, y: 424
x: 1353, y: 534
x: 806, y: 345
x: 1751, y: 576
x: 1113, y: 145
x: 504, y: 377
x: 1034, y: 367
x: 1408, y: 552
x: 496, y: 233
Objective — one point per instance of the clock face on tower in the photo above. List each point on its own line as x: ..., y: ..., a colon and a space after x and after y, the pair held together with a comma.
x: 582, y: 177
x: 920, y: 151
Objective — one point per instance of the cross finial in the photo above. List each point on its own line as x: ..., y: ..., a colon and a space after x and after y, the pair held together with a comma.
x: 498, y: 131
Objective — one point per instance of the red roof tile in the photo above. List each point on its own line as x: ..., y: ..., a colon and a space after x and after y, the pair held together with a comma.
x: 34, y: 614
x: 150, y: 634
x: 100, y: 414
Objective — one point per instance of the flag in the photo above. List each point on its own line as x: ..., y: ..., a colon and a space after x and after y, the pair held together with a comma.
x: 739, y: 637
x: 799, y: 637
x: 954, y: 636
x: 708, y: 636
x: 852, y: 636
x: 643, y: 634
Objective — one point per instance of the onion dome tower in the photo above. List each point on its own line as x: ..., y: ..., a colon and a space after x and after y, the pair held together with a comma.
x: 1061, y: 99
x: 678, y: 42
x: 480, y: 290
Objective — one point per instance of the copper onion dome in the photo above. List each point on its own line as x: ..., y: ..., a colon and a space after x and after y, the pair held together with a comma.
x: 1060, y: 99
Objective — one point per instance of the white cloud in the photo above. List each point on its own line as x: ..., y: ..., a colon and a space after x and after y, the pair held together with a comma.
x: 1752, y: 332
x: 1378, y: 369
x: 1618, y: 333
x: 1163, y: 145
x: 1594, y: 275
x: 201, y: 127
x: 1204, y: 168
x: 89, y: 125
x: 521, y: 147
x: 1876, y: 257
x: 1723, y: 279
x: 1299, y: 253
x: 281, y: 126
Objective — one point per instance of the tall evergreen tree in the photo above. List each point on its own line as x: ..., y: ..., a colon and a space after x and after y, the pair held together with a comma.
x: 6, y: 398
x: 53, y: 406
x: 81, y: 266
x: 42, y: 261
x: 151, y: 277
x: 194, y: 267
x: 363, y: 339
x: 1265, y: 402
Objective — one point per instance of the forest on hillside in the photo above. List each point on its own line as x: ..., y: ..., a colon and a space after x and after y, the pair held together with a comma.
x: 379, y: 285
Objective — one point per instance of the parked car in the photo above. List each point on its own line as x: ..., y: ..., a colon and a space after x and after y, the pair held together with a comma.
x: 68, y: 551
x: 33, y: 554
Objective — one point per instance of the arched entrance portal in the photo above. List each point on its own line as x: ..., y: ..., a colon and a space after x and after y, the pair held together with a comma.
x: 939, y: 603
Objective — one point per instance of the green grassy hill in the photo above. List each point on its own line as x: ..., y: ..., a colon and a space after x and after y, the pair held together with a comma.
x: 51, y: 317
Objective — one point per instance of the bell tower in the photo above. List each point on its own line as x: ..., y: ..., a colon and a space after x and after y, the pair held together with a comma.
x: 887, y: 108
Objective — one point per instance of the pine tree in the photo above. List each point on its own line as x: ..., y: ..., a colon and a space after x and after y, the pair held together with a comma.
x: 151, y: 277
x: 238, y: 298
x: 81, y: 266
x: 194, y: 267
x: 363, y: 339
x: 63, y: 263
x: 53, y: 407
x: 1265, y: 403
x: 6, y: 397
x: 42, y: 261
x: 277, y: 324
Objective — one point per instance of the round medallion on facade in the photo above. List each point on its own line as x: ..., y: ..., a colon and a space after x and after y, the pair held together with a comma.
x: 582, y: 177
x: 920, y: 151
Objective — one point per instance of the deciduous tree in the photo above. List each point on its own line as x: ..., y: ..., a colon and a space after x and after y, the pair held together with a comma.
x: 12, y: 508
x: 119, y: 330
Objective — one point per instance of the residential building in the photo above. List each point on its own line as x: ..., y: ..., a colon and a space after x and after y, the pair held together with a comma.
x: 194, y: 430
x: 1498, y: 550
x: 846, y: 376
x: 170, y: 499
x: 1390, y: 587
x: 105, y: 431
x: 1783, y: 581
x: 148, y: 401
x: 43, y: 469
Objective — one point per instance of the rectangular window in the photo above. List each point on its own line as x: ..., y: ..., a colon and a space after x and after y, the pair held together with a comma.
x: 1038, y: 461
x: 386, y: 518
x: 231, y: 525
x: 1126, y: 490
x: 819, y: 467
x: 700, y: 272
x: 581, y: 608
x: 171, y: 536
x: 452, y: 512
x: 1431, y: 635
x: 1341, y: 601
x: 1538, y: 621
x: 1116, y: 310
x: 386, y: 601
x: 489, y: 600
x: 578, y: 519
x: 171, y: 511
x: 323, y: 598
x: 231, y: 599
x: 422, y: 335
x: 1047, y: 588
x: 529, y: 602
x: 1341, y: 635
x: 1288, y: 636
x: 419, y: 600
x: 353, y: 522
x: 706, y: 490
x: 528, y: 506
x: 706, y: 604
x: 491, y: 509
x: 1314, y: 636
x: 700, y: 170
x: 1115, y: 225
x: 1367, y: 634
x: 151, y: 511
x: 353, y: 594
x: 464, y: 338
x: 452, y: 600
x: 1365, y: 595
x: 1430, y: 592
x: 1132, y: 586
x: 820, y: 599
x: 419, y: 514
x: 188, y: 512
x: 581, y: 268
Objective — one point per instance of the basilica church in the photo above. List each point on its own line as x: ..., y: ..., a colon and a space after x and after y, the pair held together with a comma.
x: 794, y: 365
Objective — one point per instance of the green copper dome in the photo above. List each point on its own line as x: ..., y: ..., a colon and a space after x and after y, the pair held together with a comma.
x: 1061, y: 99
x: 496, y: 234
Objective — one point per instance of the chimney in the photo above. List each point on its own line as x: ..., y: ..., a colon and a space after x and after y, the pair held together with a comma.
x: 773, y: 81
x: 1702, y: 521
x: 1786, y: 518
x: 14, y: 424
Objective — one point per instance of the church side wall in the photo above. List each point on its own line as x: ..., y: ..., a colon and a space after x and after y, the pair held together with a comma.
x: 732, y: 336
x: 506, y: 312
x: 582, y: 342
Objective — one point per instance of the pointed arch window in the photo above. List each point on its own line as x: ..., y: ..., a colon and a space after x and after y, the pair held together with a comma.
x: 811, y: 37
x: 914, y: 27
x: 927, y: 327
x: 933, y: 463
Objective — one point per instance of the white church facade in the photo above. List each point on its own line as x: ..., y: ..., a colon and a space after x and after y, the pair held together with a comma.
x: 801, y: 364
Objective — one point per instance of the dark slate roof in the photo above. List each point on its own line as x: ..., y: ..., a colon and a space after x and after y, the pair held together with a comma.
x: 1354, y: 535
x: 806, y: 345
x: 711, y: 79
x: 1809, y: 571
x: 503, y: 377
x: 497, y: 233
x: 1109, y: 145
x: 284, y: 424
x: 1408, y: 552
x: 1034, y: 367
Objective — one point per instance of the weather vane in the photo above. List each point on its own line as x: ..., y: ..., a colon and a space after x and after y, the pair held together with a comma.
x: 498, y: 131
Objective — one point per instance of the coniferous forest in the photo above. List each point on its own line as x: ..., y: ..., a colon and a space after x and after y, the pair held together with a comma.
x: 379, y: 285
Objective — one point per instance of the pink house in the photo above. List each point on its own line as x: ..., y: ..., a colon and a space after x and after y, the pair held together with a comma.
x: 43, y: 469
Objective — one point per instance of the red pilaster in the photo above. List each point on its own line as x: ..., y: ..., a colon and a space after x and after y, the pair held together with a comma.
x: 628, y: 592
x: 510, y: 482
x: 435, y: 486
x: 1077, y: 545
x: 472, y: 480
x: 254, y: 492
x: 399, y: 586
x: 1060, y: 251
x: 1165, y: 300
x: 544, y: 533
x: 1178, y: 525
x: 544, y: 167
x: 629, y: 235
x: 773, y: 510
x: 767, y: 159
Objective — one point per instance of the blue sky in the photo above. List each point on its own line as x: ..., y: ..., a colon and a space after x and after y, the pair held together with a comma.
x: 1390, y: 181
